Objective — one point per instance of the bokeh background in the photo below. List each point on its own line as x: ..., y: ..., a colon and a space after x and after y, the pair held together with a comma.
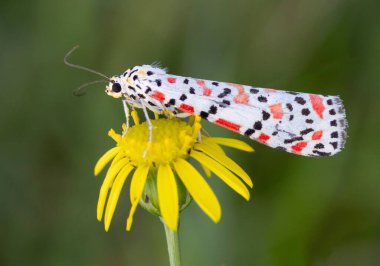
x: 303, y: 211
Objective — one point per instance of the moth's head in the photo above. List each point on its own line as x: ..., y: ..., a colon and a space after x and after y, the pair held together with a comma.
x: 114, y: 87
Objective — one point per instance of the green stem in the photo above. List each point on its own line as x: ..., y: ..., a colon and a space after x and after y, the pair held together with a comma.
x: 173, y: 245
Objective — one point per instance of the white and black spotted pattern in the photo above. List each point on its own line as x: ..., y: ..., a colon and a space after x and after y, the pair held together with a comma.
x: 300, y: 123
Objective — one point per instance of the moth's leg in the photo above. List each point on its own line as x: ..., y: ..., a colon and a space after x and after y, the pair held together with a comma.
x: 182, y: 115
x: 126, y: 111
x: 205, y: 132
x: 150, y: 128
x: 155, y: 109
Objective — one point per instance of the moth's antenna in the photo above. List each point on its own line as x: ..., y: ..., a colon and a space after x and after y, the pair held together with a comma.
x: 81, y: 67
x: 80, y: 90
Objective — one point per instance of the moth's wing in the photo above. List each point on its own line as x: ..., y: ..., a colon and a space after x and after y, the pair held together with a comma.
x: 300, y: 123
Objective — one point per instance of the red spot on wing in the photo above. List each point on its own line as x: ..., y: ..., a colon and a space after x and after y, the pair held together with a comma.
x: 317, y: 103
x: 237, y: 86
x: 186, y: 108
x: 263, y: 137
x: 242, y: 96
x: 317, y: 135
x: 227, y: 124
x: 276, y: 110
x: 171, y: 80
x: 158, y: 96
x: 298, y: 147
x: 270, y: 90
x: 206, y: 91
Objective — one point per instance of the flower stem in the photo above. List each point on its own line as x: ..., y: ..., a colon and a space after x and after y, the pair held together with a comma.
x: 173, y: 245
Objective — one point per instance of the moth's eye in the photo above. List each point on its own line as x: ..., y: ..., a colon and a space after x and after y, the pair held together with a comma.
x: 116, y: 87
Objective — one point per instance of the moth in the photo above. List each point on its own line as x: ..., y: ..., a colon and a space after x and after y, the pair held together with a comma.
x: 300, y: 123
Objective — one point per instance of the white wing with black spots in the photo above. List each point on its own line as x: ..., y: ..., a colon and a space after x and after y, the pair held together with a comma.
x: 300, y: 123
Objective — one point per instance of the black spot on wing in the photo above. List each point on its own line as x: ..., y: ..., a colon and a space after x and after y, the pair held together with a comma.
x: 183, y: 97
x: 334, y: 135
x: 227, y: 102
x: 171, y: 102
x: 225, y: 92
x: 213, y: 109
x: 254, y: 91
x: 300, y: 100
x: 249, y: 132
x: 305, y: 111
x: 266, y: 115
x: 306, y: 131
x: 320, y: 153
x: 319, y: 146
x: 287, y: 141
x: 203, y: 114
x: 258, y: 125
x: 334, y: 144
x: 262, y: 99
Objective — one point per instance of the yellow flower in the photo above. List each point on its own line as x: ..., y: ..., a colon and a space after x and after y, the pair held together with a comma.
x: 174, y: 142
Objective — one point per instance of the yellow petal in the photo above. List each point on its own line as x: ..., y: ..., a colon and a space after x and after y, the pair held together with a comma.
x: 115, y: 193
x: 105, y: 159
x: 117, y: 157
x: 229, y: 178
x: 198, y: 189
x: 136, y: 190
x: 206, y: 170
x: 234, y: 143
x: 131, y: 213
x: 168, y: 196
x: 138, y: 181
x: 110, y: 176
x: 227, y: 162
x: 211, y: 145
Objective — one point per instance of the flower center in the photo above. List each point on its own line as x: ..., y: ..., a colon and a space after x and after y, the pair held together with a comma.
x: 171, y: 139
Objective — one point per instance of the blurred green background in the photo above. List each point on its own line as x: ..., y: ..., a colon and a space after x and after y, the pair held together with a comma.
x: 303, y: 211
